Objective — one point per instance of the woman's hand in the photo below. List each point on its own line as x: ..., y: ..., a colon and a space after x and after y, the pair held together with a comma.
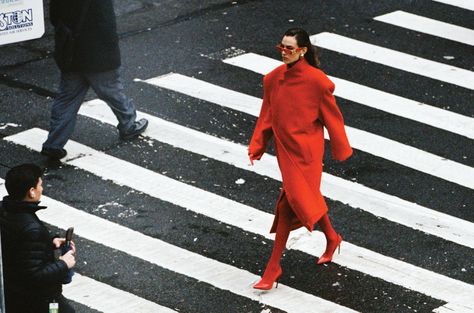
x: 253, y: 158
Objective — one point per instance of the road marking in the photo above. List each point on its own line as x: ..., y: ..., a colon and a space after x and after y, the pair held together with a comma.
x: 377, y: 99
x: 395, y: 59
x: 374, y: 144
x: 454, y: 308
x: 428, y: 26
x: 232, y: 213
x: 465, y: 4
x: 356, y: 195
x: 168, y: 256
x: 206, y: 91
x: 107, y: 299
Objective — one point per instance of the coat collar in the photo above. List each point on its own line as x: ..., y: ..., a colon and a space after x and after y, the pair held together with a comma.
x: 17, y: 206
x: 298, y: 69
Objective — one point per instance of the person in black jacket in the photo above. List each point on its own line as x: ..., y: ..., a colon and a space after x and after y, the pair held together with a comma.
x: 32, y: 275
x: 94, y: 62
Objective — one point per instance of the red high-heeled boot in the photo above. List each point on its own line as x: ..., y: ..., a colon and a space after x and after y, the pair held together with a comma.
x: 331, y: 248
x: 333, y: 239
x: 266, y: 283
x: 273, y: 270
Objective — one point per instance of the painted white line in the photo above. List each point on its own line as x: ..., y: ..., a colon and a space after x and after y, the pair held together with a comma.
x: 377, y: 99
x: 356, y: 195
x: 158, y: 252
x: 232, y: 213
x: 465, y: 4
x: 206, y: 91
x: 107, y: 299
x: 428, y: 26
x: 377, y: 145
x: 454, y: 308
x: 395, y: 59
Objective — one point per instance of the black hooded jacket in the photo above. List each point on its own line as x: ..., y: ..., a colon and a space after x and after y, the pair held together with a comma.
x: 29, y: 267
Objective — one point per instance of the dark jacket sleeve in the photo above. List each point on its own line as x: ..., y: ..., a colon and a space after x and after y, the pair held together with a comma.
x: 37, y: 262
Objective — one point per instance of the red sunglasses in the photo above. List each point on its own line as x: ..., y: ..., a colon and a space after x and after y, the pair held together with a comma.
x: 289, y: 51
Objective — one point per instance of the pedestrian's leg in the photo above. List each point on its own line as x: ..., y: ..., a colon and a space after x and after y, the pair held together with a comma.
x: 109, y: 88
x: 273, y: 269
x: 333, y: 239
x: 326, y: 226
x: 282, y: 233
x: 72, y: 90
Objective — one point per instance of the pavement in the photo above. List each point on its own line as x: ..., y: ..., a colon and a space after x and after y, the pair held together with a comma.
x: 192, y: 38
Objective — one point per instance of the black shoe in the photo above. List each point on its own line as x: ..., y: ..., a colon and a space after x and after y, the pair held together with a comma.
x: 137, y: 129
x: 54, y: 153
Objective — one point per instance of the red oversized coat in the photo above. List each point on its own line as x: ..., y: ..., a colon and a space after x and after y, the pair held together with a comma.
x: 297, y: 103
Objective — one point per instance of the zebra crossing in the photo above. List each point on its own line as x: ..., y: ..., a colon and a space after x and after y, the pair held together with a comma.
x: 452, y: 294
x: 354, y: 194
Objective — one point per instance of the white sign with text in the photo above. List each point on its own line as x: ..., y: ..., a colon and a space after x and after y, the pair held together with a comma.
x: 21, y: 20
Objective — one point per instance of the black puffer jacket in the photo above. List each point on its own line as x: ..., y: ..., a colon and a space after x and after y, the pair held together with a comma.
x: 29, y: 268
x: 97, y: 48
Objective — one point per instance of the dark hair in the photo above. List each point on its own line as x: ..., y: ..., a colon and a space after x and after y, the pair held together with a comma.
x: 20, y: 179
x: 302, y: 39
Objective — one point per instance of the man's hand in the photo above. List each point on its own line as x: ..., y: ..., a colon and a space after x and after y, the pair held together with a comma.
x: 58, y: 242
x: 69, y: 259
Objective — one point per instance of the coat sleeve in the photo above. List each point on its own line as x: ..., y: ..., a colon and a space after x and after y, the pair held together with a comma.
x: 37, y: 265
x: 263, y: 131
x: 332, y: 119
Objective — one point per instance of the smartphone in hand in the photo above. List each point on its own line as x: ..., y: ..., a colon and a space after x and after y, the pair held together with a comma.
x: 67, y: 245
x: 65, y: 249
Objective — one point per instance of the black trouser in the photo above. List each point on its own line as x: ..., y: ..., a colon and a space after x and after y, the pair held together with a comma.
x: 31, y: 305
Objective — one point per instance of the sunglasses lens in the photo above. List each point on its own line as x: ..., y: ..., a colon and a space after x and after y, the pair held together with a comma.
x: 283, y: 49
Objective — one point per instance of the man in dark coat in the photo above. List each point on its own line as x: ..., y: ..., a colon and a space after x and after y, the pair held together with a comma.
x: 95, y: 60
x: 33, y: 276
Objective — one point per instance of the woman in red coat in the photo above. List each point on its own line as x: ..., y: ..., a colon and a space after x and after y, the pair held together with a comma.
x: 297, y: 104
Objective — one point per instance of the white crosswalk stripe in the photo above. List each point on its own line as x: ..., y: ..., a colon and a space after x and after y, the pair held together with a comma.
x: 465, y: 4
x: 104, y: 298
x: 246, y: 218
x: 376, y: 145
x: 395, y: 59
x: 428, y: 26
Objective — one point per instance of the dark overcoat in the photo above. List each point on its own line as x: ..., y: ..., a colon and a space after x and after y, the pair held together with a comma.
x: 298, y: 103
x: 96, y: 47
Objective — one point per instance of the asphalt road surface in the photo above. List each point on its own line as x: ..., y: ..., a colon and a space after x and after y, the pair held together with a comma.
x: 178, y: 221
